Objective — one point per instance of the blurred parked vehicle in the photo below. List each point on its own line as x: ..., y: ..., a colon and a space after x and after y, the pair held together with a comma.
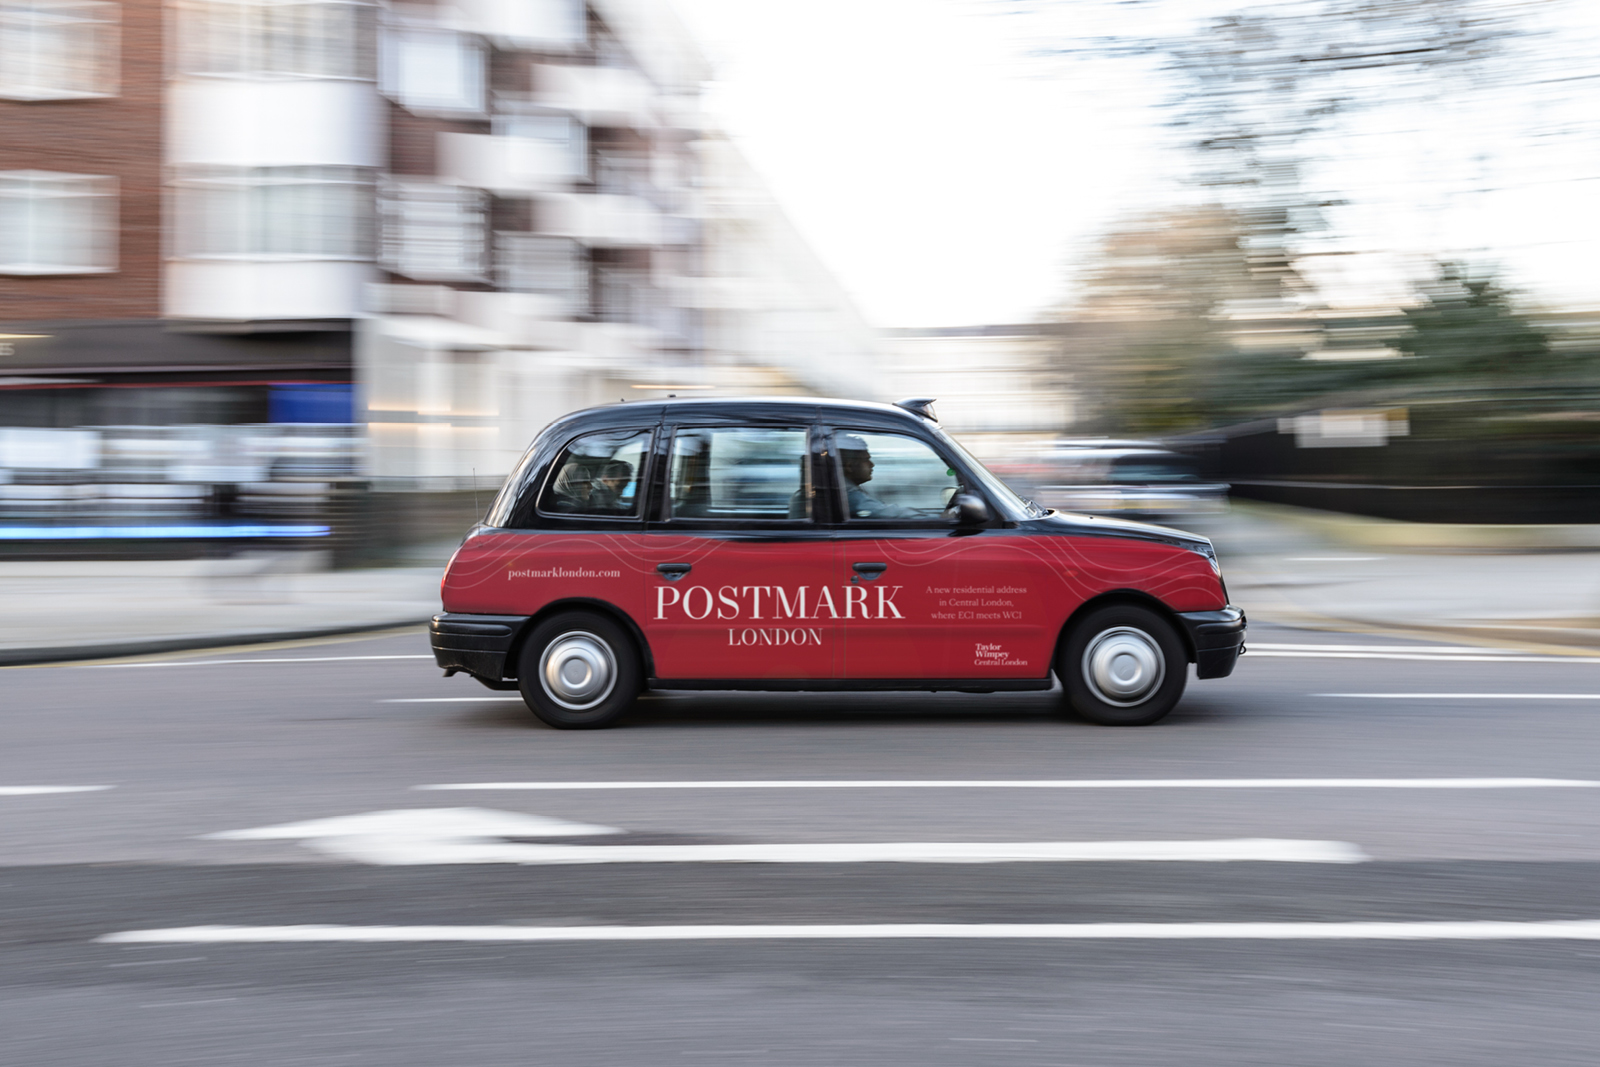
x: 1133, y: 479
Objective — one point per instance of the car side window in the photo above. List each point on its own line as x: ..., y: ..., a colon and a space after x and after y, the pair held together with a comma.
x: 740, y: 473
x: 888, y: 477
x: 599, y: 475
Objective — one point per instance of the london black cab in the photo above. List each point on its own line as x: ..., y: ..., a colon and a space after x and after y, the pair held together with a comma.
x: 800, y: 544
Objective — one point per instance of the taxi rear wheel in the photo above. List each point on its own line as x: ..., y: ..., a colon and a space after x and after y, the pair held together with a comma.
x: 1123, y: 665
x: 579, y: 671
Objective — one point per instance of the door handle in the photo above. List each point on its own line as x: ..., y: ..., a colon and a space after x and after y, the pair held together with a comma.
x: 672, y: 571
x: 869, y: 571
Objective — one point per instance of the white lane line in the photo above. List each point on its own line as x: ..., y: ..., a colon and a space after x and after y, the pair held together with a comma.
x: 1255, y: 650
x: 1453, y: 650
x: 35, y: 790
x: 1067, y: 783
x: 223, y: 662
x: 1557, y: 930
x: 451, y: 700
x: 396, y: 852
x: 1463, y: 696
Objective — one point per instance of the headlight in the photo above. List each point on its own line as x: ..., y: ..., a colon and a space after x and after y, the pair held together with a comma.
x: 1210, y: 554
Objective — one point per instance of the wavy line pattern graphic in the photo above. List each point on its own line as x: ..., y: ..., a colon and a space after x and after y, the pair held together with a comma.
x: 957, y: 607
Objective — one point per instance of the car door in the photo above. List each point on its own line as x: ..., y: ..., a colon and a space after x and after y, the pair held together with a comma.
x: 925, y: 599
x: 740, y: 557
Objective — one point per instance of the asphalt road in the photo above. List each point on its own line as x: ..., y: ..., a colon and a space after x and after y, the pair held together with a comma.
x: 1439, y: 787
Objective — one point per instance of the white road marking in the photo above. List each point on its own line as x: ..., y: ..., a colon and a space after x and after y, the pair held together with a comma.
x: 1463, y: 696
x: 34, y: 790
x: 224, y: 662
x: 457, y: 822
x: 1461, y: 650
x: 1049, y: 783
x: 410, y: 837
x: 1552, y: 930
x: 451, y: 700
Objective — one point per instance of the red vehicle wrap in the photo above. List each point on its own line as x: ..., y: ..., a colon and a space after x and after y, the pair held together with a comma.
x: 967, y: 608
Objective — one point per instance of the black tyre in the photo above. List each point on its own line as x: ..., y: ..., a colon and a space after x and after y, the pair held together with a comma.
x: 1123, y: 665
x: 579, y: 671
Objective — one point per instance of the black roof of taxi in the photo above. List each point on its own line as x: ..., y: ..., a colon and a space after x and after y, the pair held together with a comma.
x: 742, y: 409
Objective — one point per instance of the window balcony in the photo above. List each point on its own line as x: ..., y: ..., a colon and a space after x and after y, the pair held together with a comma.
x: 505, y: 165
x: 600, y: 96
x: 603, y: 220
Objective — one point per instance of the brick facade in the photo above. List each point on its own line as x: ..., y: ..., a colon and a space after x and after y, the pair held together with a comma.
x: 120, y: 137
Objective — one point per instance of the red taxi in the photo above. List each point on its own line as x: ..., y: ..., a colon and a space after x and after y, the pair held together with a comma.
x: 800, y: 544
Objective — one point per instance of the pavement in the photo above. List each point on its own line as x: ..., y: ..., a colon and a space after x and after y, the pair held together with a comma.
x: 59, y: 611
x: 1526, y: 586
x: 1508, y: 585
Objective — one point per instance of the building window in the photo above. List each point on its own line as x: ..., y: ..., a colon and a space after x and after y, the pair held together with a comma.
x: 57, y: 223
x: 58, y: 49
x: 550, y: 266
x: 434, y: 232
x: 433, y: 70
x: 289, y: 38
x: 624, y: 173
x: 268, y: 212
x: 565, y: 138
x: 624, y: 294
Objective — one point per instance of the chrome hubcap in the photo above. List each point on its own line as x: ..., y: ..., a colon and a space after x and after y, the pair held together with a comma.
x: 578, y: 670
x: 1124, y: 666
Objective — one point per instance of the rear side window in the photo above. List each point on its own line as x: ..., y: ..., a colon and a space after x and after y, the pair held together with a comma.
x: 738, y: 473
x: 600, y: 475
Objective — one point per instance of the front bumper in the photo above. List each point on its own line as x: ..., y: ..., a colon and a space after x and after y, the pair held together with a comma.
x: 476, y: 644
x: 1217, y: 638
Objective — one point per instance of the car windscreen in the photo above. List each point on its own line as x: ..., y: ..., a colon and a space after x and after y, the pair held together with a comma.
x: 1000, y: 491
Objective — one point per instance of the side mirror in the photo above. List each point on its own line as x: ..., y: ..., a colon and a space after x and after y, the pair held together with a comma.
x: 969, y: 510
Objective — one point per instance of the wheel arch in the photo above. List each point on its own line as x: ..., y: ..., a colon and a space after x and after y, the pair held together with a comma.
x: 557, y: 607
x: 1124, y: 596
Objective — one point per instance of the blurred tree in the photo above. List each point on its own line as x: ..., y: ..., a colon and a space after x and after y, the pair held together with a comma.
x: 1154, y: 356
x: 1261, y: 94
x: 1468, y: 327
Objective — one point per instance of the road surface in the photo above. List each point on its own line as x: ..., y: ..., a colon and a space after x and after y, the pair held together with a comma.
x: 1355, y: 850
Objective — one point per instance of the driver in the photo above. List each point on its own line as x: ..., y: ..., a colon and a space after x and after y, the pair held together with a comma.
x: 857, y: 463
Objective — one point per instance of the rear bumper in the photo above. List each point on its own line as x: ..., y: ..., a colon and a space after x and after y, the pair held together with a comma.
x: 1217, y: 638
x: 475, y: 644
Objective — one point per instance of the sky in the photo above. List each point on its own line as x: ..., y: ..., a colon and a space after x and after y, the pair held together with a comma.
x: 948, y: 178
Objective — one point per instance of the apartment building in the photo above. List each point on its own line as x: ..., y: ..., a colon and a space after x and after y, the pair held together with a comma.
x: 449, y: 222
x: 539, y: 226
x: 139, y: 234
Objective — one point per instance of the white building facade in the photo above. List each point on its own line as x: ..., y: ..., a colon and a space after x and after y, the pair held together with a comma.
x: 556, y: 233
x: 515, y: 206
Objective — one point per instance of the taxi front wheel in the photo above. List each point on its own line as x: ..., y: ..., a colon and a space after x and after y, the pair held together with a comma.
x: 579, y: 671
x: 1123, y: 665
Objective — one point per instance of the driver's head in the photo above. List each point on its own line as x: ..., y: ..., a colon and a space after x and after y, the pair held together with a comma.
x: 855, y: 459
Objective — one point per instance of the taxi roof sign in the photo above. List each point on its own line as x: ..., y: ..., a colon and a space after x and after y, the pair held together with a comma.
x: 919, y: 405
